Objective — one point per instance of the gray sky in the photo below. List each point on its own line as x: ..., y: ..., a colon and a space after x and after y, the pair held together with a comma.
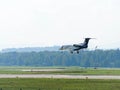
x: 30, y: 23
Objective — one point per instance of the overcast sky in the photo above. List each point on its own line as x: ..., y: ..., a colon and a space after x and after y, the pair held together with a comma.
x: 31, y: 23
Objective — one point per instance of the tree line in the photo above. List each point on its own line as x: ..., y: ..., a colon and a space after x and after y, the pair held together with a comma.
x: 96, y: 58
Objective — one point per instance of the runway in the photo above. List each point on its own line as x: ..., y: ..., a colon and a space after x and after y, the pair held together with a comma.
x: 59, y: 76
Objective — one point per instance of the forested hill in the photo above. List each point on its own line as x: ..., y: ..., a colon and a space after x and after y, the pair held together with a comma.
x: 97, y: 58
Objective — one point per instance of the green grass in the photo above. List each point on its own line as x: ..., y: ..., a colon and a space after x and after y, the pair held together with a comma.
x: 65, y: 70
x: 58, y: 84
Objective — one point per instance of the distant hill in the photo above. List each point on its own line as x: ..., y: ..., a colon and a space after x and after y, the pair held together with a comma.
x: 31, y: 49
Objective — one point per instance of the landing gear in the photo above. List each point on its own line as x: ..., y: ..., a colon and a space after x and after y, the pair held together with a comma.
x: 71, y: 52
x: 77, y: 52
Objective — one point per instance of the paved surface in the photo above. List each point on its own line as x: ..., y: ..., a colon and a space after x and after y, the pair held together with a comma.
x: 59, y: 76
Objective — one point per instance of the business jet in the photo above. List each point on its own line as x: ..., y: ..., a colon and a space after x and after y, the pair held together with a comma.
x: 76, y: 47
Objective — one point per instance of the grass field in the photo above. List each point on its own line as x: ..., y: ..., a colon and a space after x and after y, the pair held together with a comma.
x: 58, y: 84
x: 65, y: 70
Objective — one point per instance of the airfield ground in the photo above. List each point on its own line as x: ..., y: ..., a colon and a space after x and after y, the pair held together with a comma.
x: 60, y: 71
x: 58, y: 84
x: 57, y: 72
x: 57, y: 78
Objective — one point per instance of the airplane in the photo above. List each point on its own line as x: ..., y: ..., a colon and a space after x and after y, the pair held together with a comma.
x: 76, y: 47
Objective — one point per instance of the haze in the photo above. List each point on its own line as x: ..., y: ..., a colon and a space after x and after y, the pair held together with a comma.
x: 31, y: 23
